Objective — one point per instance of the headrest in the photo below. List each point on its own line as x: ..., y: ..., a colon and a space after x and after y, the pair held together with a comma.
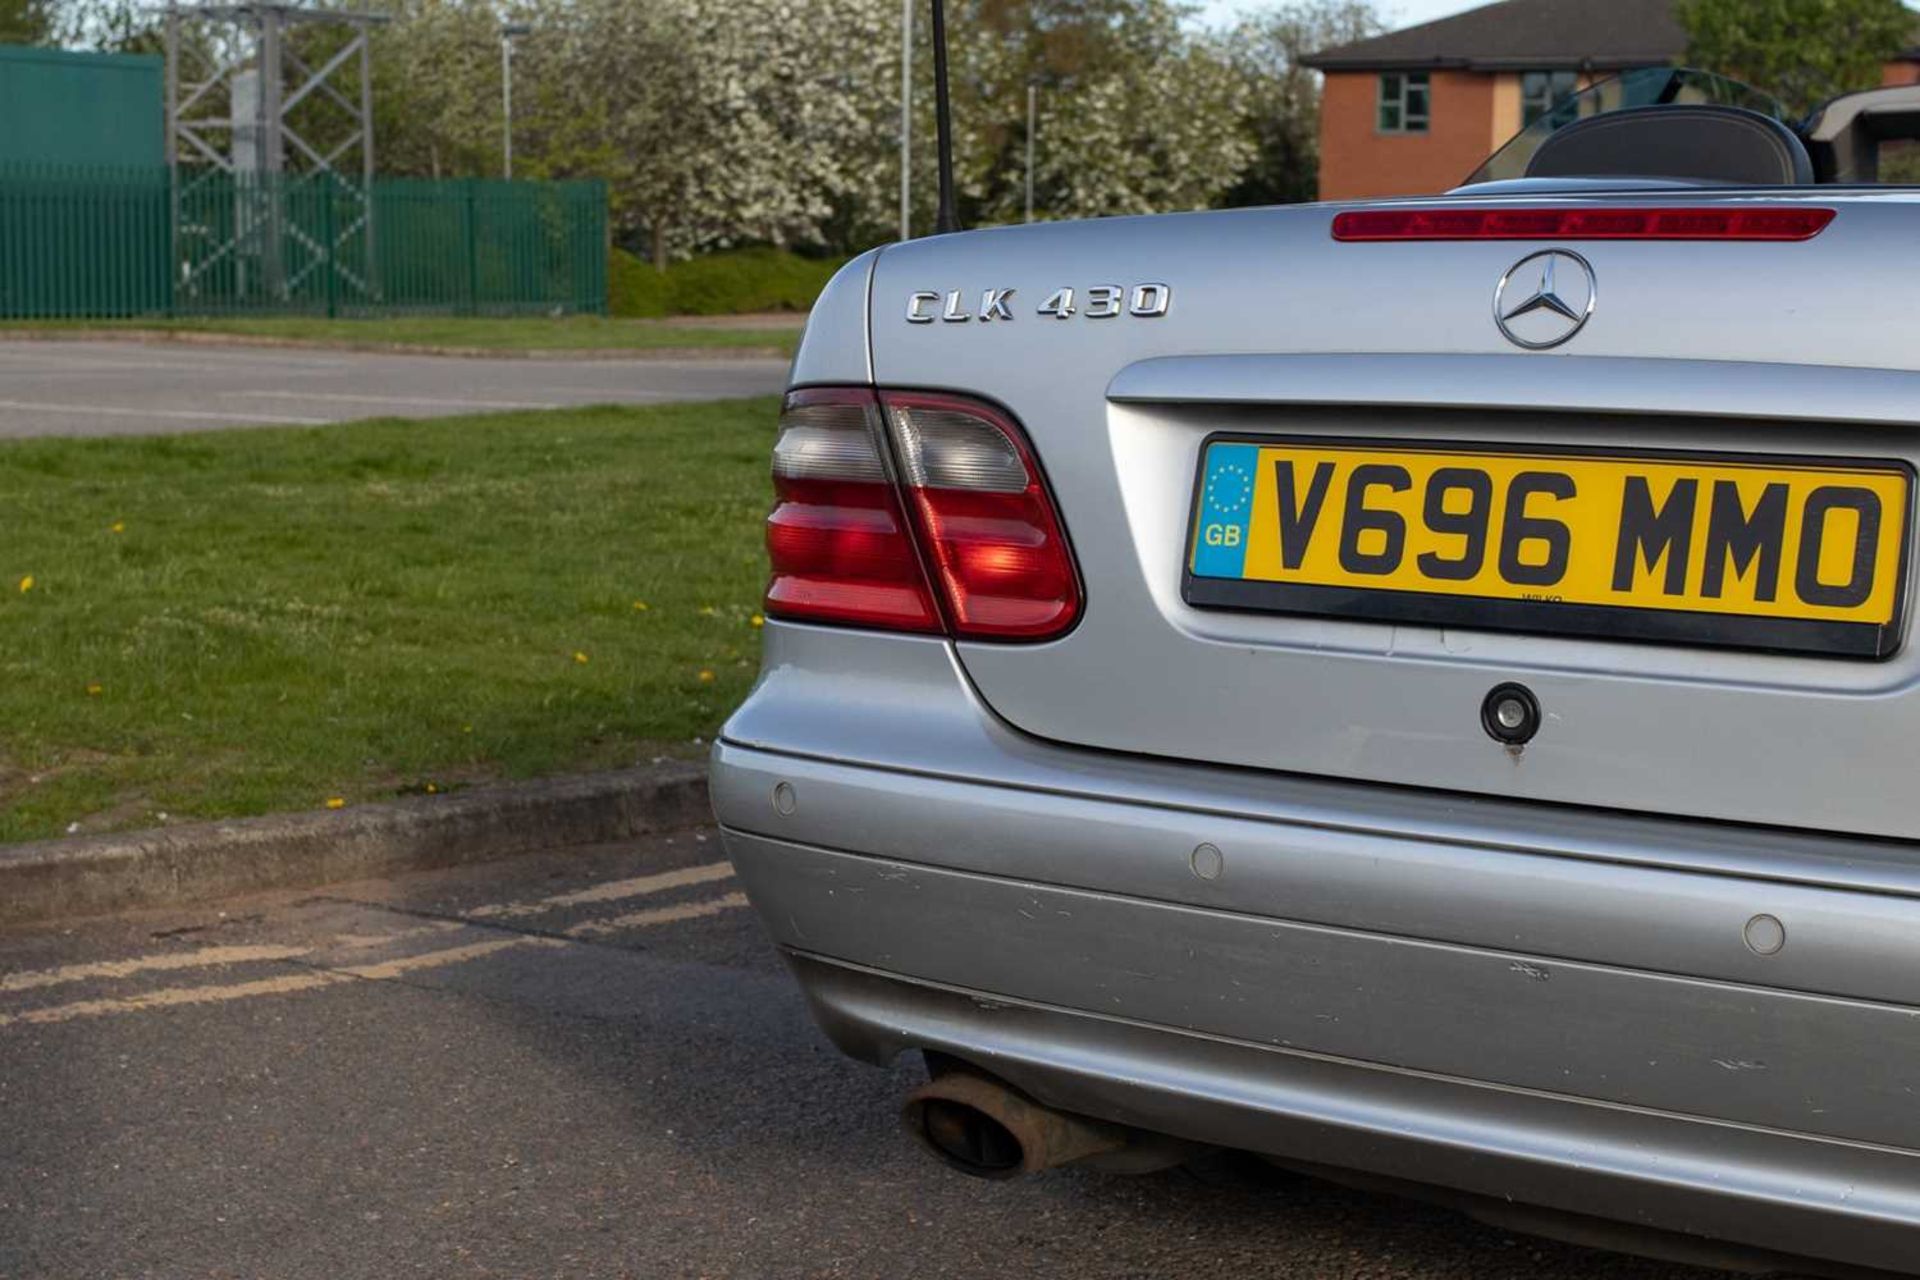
x: 1696, y: 141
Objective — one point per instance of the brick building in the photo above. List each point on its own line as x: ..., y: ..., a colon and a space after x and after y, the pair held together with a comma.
x: 1417, y: 110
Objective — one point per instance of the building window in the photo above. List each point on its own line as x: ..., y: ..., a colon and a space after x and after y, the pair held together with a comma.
x: 1403, y: 102
x: 1542, y: 93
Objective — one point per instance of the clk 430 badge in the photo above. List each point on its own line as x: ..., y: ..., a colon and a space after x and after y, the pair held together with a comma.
x: 1099, y: 302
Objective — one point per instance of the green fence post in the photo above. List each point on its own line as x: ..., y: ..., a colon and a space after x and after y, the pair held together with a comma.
x: 330, y: 264
x: 169, y: 241
x: 473, y: 247
x: 597, y: 247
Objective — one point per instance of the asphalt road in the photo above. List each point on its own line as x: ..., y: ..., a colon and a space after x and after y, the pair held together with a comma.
x: 579, y: 1065
x: 131, y: 388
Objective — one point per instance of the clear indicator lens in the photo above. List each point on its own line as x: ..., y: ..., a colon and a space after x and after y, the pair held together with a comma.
x: 828, y: 442
x: 946, y: 449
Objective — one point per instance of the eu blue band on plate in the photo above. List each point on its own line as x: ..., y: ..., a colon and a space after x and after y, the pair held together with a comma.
x: 1226, y: 508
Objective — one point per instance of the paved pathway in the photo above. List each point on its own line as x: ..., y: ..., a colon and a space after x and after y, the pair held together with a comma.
x: 130, y: 388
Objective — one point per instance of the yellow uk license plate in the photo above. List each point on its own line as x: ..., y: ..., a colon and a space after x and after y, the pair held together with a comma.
x: 1714, y: 549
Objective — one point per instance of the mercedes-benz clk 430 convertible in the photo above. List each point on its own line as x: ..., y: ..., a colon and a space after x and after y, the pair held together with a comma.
x: 1422, y: 688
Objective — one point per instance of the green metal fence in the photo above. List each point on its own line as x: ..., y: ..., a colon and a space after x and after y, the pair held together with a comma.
x: 84, y: 242
x: 77, y: 243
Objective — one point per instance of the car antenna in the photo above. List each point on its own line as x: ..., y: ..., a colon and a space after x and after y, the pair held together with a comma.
x: 946, y: 218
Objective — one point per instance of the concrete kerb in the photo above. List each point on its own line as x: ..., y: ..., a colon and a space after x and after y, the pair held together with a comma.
x: 92, y: 875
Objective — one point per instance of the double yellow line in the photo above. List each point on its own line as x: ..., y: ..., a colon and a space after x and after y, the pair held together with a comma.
x: 315, y: 976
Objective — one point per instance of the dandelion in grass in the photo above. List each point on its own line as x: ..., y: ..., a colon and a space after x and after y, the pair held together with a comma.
x: 336, y: 802
x: 118, y: 526
x: 580, y: 658
x: 26, y: 584
x: 756, y: 621
x: 640, y: 606
x: 706, y: 675
x: 707, y: 611
x: 94, y: 690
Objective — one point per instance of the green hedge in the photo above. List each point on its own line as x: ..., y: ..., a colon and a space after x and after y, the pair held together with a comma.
x: 719, y: 284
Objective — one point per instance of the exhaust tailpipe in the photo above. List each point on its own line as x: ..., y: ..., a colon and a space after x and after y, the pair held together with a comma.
x: 984, y: 1128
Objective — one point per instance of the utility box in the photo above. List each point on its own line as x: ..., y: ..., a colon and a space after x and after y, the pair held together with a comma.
x: 97, y: 110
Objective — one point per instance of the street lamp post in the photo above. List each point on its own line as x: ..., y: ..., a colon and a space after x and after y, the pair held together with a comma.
x: 509, y: 32
x: 906, y: 118
x: 1033, y: 93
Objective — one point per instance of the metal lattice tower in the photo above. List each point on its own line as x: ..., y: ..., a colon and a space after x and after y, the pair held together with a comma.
x: 239, y: 73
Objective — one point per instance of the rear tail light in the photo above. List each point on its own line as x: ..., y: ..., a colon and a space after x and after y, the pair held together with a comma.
x: 836, y: 536
x: 982, y: 523
x: 984, y: 518
x: 1726, y: 223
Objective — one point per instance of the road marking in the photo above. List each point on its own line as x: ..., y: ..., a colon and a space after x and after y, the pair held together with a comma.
x: 314, y: 979
x: 434, y: 402
x: 194, y: 415
x: 659, y: 915
x: 612, y: 891
x: 146, y: 964
x: 387, y: 970
x: 288, y: 984
x: 40, y: 359
x: 366, y: 941
x: 588, y: 397
x: 108, y: 365
x: 175, y: 996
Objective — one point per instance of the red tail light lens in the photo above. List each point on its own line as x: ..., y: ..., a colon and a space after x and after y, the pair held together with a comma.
x: 837, y: 537
x: 984, y: 518
x: 1728, y: 223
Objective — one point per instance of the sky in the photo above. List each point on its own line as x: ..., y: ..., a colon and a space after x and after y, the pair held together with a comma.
x: 1398, y: 13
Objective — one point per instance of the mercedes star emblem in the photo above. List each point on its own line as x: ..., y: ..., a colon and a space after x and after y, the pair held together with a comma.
x: 1544, y: 299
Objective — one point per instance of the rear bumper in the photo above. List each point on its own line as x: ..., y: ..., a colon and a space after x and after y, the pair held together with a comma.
x: 1551, y: 1006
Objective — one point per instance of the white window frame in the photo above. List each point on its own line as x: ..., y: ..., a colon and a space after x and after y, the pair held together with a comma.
x: 1396, y: 95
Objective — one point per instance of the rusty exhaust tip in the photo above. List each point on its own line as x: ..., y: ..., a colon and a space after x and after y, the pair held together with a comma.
x: 965, y: 1137
x: 985, y: 1129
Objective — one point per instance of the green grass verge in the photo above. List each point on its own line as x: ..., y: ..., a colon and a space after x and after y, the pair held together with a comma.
x: 529, y: 333
x: 241, y: 622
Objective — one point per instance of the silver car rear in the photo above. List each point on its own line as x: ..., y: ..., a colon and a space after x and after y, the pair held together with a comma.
x: 1270, y: 879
